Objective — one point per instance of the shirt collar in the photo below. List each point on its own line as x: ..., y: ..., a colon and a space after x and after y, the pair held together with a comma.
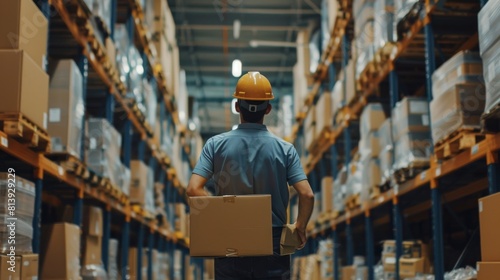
x: 257, y: 126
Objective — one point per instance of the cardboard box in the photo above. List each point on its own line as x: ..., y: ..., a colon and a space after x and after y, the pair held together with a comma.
x: 348, y: 272
x: 389, y: 262
x: 10, y: 271
x: 372, y: 118
x: 60, y: 257
x: 488, y: 270
x: 231, y: 226
x: 411, y: 267
x: 29, y: 267
x: 110, y: 50
x: 25, y: 86
x: 132, y: 262
x: 489, y: 207
x: 324, y: 113
x: 24, y: 27
x: 411, y: 114
x: 327, y: 194
x: 139, y: 181
x: 290, y: 240
x: 92, y: 250
x: 369, y: 145
x: 92, y: 221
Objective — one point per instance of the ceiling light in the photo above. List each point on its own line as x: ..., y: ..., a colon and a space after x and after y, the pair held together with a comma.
x: 236, y: 29
x: 261, y: 43
x: 236, y: 69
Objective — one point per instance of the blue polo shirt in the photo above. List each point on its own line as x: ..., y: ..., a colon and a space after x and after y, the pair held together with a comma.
x: 251, y: 160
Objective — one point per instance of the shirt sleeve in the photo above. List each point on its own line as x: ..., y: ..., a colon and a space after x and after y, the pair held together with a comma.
x: 205, y: 165
x: 295, y: 172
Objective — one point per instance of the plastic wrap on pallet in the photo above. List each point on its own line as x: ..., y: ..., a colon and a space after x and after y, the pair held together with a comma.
x: 66, y: 107
x: 412, y: 150
x: 371, y: 177
x: 103, y: 153
x: 411, y: 114
x: 488, y: 27
x: 403, y: 7
x: 113, y: 259
x: 369, y: 145
x: 94, y: 272
x: 386, y: 150
x: 458, y: 108
x: 150, y: 103
x: 464, y: 67
x: 461, y: 273
x: 491, y: 68
x: 314, y: 51
x: 363, y: 11
x: 124, y: 179
x: 365, y: 47
x: 354, y: 184
x: 384, y: 23
x: 24, y: 191
x: 329, y: 10
x: 22, y: 230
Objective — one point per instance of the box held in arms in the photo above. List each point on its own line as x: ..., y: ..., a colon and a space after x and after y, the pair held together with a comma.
x: 231, y: 226
x: 24, y: 211
x: 488, y: 270
x: 66, y: 107
x: 489, y: 228
x: 25, y: 86
x: 458, y: 109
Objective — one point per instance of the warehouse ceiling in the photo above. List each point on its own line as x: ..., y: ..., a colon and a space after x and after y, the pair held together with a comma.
x: 207, y: 45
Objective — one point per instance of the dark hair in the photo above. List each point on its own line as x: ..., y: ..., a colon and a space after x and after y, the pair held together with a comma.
x: 252, y: 117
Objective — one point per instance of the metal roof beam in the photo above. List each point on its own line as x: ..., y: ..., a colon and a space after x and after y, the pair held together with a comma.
x: 277, y: 28
x: 245, y: 68
x: 256, y: 11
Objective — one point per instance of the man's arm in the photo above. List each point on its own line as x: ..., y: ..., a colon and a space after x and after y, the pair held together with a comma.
x: 196, y: 186
x: 306, y: 204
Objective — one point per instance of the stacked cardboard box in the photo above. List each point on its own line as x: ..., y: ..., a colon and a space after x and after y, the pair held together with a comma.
x: 364, y: 24
x: 344, y: 90
x: 324, y: 114
x: 162, y: 266
x: 385, y: 151
x: 142, y: 185
x: 411, y: 133
x: 326, y: 194
x: 25, y: 85
x: 356, y: 271
x: 66, y: 107
x: 310, y: 128
x: 133, y: 262
x: 414, y: 259
x: 354, y: 183
x: 389, y: 259
x: 25, y: 267
x: 302, y: 78
x: 489, y: 267
x: 60, y: 249
x: 310, y: 267
x: 371, y: 119
x: 458, y: 91
x: 92, y: 237
x: 24, y: 191
x: 489, y: 46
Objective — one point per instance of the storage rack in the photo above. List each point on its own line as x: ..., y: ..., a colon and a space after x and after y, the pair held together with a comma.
x: 76, y: 39
x: 476, y: 168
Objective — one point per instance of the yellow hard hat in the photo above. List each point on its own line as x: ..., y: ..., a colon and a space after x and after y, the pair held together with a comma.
x: 253, y: 86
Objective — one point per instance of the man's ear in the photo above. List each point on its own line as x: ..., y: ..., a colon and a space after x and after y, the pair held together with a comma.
x: 269, y: 108
x: 237, y: 106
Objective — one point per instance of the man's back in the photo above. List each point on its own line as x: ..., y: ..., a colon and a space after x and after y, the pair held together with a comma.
x: 251, y: 160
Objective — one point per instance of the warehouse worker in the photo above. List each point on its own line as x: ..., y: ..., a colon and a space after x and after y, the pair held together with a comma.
x: 251, y: 160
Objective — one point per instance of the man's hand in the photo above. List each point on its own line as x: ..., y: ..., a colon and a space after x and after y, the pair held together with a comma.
x: 301, y: 231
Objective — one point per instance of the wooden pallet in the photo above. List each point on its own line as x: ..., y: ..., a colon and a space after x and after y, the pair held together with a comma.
x: 404, y: 174
x: 384, y: 187
x: 490, y: 121
x: 19, y: 127
x: 353, y: 202
x: 457, y: 142
x: 70, y: 163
